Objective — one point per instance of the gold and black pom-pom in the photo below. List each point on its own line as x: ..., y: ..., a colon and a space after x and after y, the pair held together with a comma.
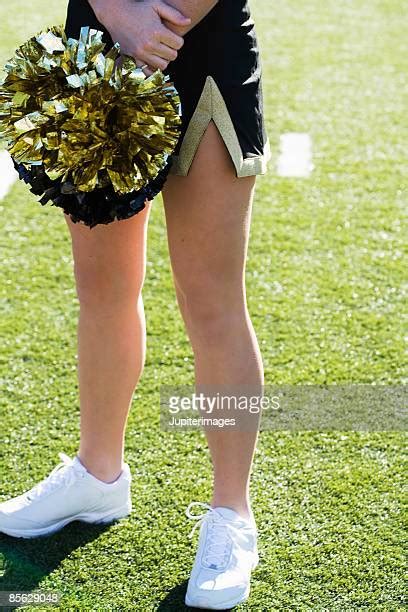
x: 88, y: 131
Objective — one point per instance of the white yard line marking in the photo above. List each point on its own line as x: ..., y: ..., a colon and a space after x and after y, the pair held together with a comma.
x: 295, y: 158
x: 8, y: 175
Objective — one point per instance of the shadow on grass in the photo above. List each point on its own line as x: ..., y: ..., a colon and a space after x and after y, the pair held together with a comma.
x: 174, y: 600
x: 25, y: 562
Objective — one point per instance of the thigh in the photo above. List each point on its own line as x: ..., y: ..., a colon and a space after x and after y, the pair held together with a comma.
x: 110, y: 260
x: 208, y: 216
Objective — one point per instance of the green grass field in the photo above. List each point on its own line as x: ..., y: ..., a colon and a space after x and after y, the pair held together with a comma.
x: 325, y: 280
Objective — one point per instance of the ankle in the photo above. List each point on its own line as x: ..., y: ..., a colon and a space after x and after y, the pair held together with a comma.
x: 105, y: 471
x: 241, y: 507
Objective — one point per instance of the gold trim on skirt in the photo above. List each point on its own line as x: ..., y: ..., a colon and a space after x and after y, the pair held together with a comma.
x: 211, y: 106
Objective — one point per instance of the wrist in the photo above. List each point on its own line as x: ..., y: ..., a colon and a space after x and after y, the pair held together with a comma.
x: 100, y: 8
x: 96, y: 6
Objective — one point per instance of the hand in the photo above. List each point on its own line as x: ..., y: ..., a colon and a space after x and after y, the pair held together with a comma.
x: 139, y: 29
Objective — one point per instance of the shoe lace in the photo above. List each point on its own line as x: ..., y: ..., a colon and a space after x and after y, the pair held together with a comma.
x: 61, y: 473
x: 218, y: 541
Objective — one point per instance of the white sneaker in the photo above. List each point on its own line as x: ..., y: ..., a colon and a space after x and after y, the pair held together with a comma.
x: 69, y: 493
x: 227, y: 552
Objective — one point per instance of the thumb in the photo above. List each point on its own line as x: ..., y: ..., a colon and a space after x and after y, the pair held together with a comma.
x: 172, y: 15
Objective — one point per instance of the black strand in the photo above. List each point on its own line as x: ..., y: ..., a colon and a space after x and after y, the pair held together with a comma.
x: 100, y: 206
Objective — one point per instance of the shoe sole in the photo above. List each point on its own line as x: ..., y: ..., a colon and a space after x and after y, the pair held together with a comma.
x: 224, y: 605
x: 93, y: 518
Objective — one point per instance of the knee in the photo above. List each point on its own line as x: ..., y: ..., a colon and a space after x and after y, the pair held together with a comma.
x: 211, y: 310
x: 100, y: 286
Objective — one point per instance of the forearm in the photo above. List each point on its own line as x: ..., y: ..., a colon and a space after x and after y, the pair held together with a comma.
x: 195, y: 9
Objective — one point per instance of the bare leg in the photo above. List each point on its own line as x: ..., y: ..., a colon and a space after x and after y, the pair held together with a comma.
x: 110, y: 266
x: 208, y: 221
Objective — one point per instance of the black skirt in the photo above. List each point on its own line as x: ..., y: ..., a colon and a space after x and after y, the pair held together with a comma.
x: 218, y: 76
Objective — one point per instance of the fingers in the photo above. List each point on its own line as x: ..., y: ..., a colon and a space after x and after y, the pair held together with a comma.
x: 165, y: 52
x: 172, y: 15
x: 155, y: 61
x: 146, y: 69
x: 157, y: 45
x: 149, y: 57
x: 150, y: 63
x: 171, y: 39
x: 161, y: 50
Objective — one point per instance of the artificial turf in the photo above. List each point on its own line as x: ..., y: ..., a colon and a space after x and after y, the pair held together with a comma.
x: 325, y: 278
